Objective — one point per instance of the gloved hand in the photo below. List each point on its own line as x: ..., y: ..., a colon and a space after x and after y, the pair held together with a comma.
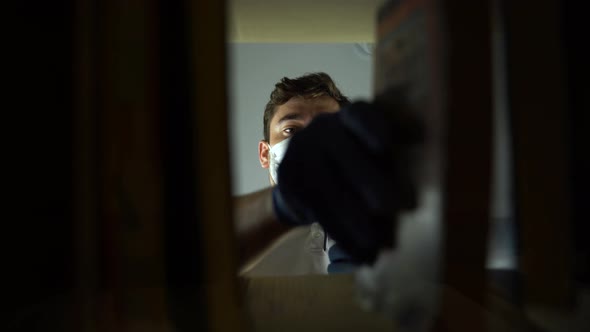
x: 350, y: 171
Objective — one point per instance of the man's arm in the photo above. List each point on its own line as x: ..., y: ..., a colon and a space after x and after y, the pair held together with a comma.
x: 255, y: 223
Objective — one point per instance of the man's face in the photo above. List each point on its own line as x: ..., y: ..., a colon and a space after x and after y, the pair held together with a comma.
x: 291, y: 117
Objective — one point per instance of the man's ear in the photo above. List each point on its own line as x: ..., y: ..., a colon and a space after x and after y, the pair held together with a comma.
x: 263, y: 154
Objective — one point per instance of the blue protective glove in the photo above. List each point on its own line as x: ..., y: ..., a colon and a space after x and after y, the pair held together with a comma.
x: 349, y: 171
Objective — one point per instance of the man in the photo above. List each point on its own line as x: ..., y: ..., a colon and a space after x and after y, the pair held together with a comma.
x: 292, y: 106
x: 337, y: 175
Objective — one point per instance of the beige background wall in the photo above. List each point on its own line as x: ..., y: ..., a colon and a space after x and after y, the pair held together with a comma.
x: 302, y: 20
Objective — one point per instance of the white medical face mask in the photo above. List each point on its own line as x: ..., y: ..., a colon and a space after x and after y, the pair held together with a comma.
x: 276, y: 154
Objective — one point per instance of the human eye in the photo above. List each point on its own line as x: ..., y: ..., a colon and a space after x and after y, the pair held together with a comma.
x: 290, y: 130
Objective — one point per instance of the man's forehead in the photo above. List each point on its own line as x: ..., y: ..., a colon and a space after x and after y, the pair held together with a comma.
x: 311, y: 105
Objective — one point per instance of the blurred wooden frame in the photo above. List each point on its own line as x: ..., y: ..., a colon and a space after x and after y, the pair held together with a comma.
x: 538, y: 108
x: 208, y: 19
x: 123, y: 252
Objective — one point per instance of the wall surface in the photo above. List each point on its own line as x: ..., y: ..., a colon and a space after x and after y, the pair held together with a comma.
x: 302, y: 21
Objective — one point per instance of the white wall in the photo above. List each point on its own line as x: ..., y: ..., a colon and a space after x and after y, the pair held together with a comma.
x: 253, y: 71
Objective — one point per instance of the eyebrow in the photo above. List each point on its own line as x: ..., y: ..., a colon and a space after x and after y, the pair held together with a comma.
x: 290, y: 116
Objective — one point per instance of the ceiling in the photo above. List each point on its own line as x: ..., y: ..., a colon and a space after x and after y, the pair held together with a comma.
x: 304, y: 21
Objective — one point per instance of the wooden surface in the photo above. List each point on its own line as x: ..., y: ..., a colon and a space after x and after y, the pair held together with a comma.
x: 308, y: 303
x: 327, y: 303
x: 540, y: 141
x: 211, y: 142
